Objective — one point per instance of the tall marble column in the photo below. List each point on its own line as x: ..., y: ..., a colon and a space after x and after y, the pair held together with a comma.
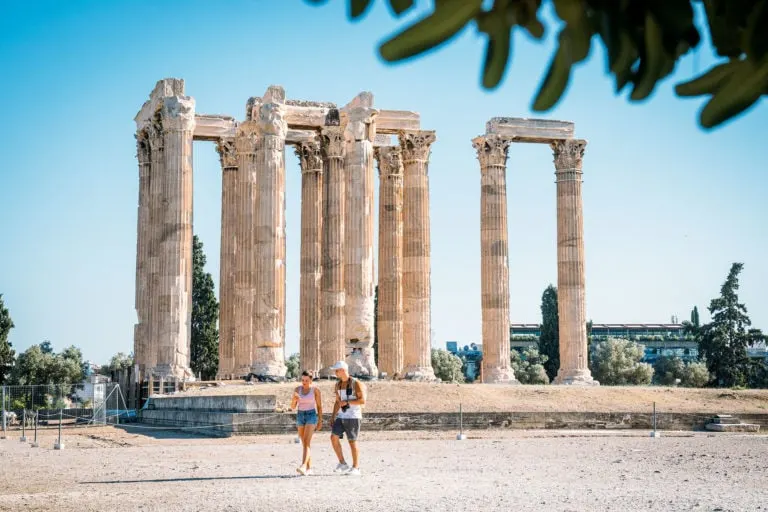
x: 359, y: 133
x: 311, y: 162
x: 240, y: 330
x: 390, y: 299
x: 229, y: 219
x: 332, y: 325
x: 141, y: 329
x: 574, y: 360
x: 155, y: 213
x: 175, y: 242
x: 269, y: 305
x: 417, y: 357
x: 494, y: 258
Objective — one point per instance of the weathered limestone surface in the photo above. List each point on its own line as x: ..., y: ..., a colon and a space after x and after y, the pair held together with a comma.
x: 416, y: 253
x: 494, y: 258
x: 574, y: 363
x: 269, y: 305
x: 311, y: 161
x: 175, y: 242
x: 359, y: 284
x: 332, y: 325
x: 230, y: 216
x: 529, y: 130
x: 390, y: 310
x: 157, y: 182
x: 143, y: 291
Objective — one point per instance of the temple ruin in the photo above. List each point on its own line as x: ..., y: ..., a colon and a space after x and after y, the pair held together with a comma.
x: 337, y: 148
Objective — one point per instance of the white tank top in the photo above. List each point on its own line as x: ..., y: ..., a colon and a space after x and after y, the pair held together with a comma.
x: 354, y: 411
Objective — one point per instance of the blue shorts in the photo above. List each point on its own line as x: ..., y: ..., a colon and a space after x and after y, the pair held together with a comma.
x: 306, y: 418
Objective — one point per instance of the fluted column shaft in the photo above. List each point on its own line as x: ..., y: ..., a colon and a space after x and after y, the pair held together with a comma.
x: 269, y: 305
x: 332, y: 324
x: 417, y: 357
x: 571, y: 307
x: 390, y: 298
x: 175, y: 244
x: 156, y: 210
x: 311, y: 161
x: 358, y: 262
x: 229, y: 219
x: 494, y: 258
x: 141, y: 329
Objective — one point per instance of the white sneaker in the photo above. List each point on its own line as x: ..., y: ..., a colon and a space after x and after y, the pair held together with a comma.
x: 353, y: 472
x: 342, y: 467
x: 308, y: 472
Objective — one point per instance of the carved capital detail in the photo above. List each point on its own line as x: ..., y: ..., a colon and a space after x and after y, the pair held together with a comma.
x: 272, y: 120
x: 568, y: 154
x: 142, y: 147
x: 491, y: 150
x: 247, y: 138
x: 227, y: 152
x: 310, y: 156
x: 390, y: 160
x: 416, y: 144
x: 178, y: 113
x: 332, y: 142
x: 359, y: 124
x: 155, y: 133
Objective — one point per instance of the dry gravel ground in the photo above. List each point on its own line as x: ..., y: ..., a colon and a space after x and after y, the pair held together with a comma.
x: 108, y: 469
x: 387, y: 396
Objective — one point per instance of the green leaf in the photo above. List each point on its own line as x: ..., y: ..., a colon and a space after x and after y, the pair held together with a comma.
x: 652, y: 65
x: 740, y: 92
x: 756, y: 34
x: 400, y: 6
x: 358, y: 7
x: 710, y: 82
x: 448, y: 18
x: 622, y: 66
x: 557, y: 77
x: 496, y: 54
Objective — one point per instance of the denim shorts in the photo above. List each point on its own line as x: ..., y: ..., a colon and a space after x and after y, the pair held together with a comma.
x: 306, y: 418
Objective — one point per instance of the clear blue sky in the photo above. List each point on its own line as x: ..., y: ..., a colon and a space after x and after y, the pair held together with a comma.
x: 667, y: 207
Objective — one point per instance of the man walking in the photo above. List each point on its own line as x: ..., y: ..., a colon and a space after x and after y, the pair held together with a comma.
x: 346, y: 417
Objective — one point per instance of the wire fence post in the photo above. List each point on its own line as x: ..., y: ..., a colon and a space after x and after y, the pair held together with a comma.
x: 655, y: 433
x: 3, y: 407
x: 34, y: 443
x: 59, y: 445
x: 23, y: 437
x: 460, y: 436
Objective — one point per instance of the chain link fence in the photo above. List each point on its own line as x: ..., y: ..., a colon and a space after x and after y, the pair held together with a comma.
x: 62, y: 405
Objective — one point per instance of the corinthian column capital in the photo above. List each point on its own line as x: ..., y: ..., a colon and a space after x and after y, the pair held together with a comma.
x: 178, y: 113
x: 142, y: 147
x: 416, y: 144
x: 332, y: 142
x: 359, y: 123
x: 227, y: 152
x: 310, y: 156
x: 491, y: 150
x: 568, y: 154
x: 272, y: 120
x: 390, y: 161
x: 247, y: 138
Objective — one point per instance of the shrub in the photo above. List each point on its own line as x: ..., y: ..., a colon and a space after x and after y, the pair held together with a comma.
x: 616, y: 362
x: 292, y: 367
x: 529, y: 367
x: 668, y: 371
x: 447, y: 367
x: 695, y: 375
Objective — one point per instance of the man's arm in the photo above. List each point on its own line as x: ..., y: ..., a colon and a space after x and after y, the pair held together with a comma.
x: 360, y: 393
x: 336, y: 407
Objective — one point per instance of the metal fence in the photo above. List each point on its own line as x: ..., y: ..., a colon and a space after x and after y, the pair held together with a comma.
x: 62, y: 405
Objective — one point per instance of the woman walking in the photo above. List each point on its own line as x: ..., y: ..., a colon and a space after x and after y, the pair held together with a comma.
x: 309, y: 417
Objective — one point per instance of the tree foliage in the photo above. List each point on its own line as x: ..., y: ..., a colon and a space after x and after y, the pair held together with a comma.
x: 119, y: 361
x: 723, y: 342
x: 38, y: 365
x: 549, y: 341
x: 529, y: 367
x: 205, y: 317
x: 642, y: 41
x: 447, y: 367
x: 617, y: 362
x: 7, y: 354
x: 671, y: 371
x: 293, y: 367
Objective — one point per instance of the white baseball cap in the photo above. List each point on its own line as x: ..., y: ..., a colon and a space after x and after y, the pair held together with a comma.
x: 340, y: 365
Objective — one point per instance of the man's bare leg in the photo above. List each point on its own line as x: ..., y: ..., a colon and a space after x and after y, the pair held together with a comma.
x: 353, y: 448
x: 337, y: 448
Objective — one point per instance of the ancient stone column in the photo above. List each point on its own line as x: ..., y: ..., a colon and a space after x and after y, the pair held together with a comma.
x: 155, y: 213
x: 229, y: 219
x: 390, y: 299
x: 269, y: 305
x: 311, y: 161
x: 358, y: 260
x: 332, y: 325
x: 417, y: 358
x: 574, y: 361
x: 494, y: 259
x: 141, y: 329
x: 240, y: 330
x: 175, y: 240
